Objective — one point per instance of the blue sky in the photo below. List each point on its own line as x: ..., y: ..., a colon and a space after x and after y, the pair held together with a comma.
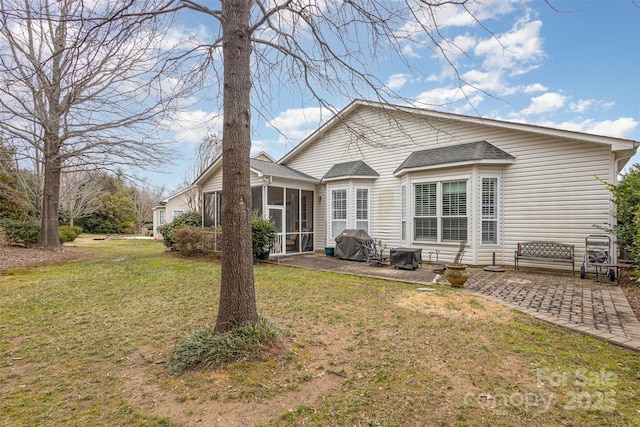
x: 576, y: 68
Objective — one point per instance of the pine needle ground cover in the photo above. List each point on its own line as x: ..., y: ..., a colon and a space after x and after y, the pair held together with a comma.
x: 90, y: 342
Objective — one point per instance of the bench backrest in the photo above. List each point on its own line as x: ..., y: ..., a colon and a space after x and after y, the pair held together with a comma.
x: 546, y: 249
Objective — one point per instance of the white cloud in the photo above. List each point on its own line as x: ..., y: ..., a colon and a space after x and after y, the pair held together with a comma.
x: 487, y: 81
x: 550, y: 101
x: 515, y: 50
x: 409, y: 52
x: 581, y: 106
x: 451, y: 15
x: 259, y: 145
x: 536, y: 87
x: 297, y: 123
x: 607, y: 105
x: 193, y: 125
x: 397, y: 81
x: 447, y: 96
x: 618, y: 128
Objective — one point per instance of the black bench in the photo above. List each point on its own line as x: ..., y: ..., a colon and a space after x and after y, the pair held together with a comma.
x: 545, y: 252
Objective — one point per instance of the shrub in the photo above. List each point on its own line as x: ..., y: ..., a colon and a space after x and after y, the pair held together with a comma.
x: 167, y: 230
x: 68, y: 234
x: 190, y: 239
x: 263, y: 233
x: 21, y: 232
x: 206, y: 349
x: 626, y: 196
x: 3, y: 237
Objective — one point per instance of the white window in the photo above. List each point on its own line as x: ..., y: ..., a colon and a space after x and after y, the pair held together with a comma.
x: 161, y: 219
x: 454, y: 211
x: 362, y: 209
x: 338, y: 211
x: 425, y: 223
x: 403, y: 212
x: 177, y: 212
x: 443, y: 216
x: 489, y: 211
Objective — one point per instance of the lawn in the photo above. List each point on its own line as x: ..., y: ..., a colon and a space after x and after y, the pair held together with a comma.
x: 87, y: 343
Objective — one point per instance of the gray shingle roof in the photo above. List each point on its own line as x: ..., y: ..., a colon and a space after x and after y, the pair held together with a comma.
x: 357, y: 168
x: 280, y: 171
x: 473, y: 151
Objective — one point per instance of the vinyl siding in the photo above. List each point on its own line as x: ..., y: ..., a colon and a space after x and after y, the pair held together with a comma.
x: 214, y: 183
x: 550, y: 192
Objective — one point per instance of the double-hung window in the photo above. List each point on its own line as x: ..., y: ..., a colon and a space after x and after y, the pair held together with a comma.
x: 489, y: 211
x: 441, y: 211
x: 362, y: 209
x: 161, y: 218
x: 425, y: 223
x: 454, y: 211
x: 338, y: 211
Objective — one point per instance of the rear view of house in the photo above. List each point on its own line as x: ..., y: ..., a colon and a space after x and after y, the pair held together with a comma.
x: 424, y: 179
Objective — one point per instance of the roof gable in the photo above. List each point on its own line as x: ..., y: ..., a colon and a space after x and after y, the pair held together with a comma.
x: 266, y: 168
x: 473, y: 152
x: 616, y: 144
x: 260, y: 165
x: 356, y: 169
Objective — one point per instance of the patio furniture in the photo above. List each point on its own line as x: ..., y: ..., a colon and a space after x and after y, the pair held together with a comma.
x: 540, y: 251
x: 375, y: 253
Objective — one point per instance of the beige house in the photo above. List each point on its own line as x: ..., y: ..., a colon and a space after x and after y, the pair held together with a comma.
x: 174, y: 205
x: 424, y: 179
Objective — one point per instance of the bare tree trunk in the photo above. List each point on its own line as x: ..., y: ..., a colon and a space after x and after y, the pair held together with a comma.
x: 237, y: 292
x: 50, y: 203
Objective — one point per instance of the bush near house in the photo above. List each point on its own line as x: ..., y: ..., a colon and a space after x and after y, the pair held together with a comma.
x: 626, y: 196
x: 263, y: 233
x: 191, y: 239
x: 167, y: 230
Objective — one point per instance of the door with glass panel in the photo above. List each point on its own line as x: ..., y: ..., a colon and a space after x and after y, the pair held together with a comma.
x: 276, y: 215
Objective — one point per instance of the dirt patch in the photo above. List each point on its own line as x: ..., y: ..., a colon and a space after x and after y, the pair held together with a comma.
x: 18, y: 257
x: 211, y: 397
x: 457, y: 306
x: 631, y: 288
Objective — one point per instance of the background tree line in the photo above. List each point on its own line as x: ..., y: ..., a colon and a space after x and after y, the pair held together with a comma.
x: 98, y: 202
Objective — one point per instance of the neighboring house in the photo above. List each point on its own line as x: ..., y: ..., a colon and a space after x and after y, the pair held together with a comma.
x: 174, y: 205
x: 425, y: 179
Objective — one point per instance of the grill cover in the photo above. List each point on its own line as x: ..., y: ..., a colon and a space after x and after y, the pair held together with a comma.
x: 350, y: 245
x: 406, y: 258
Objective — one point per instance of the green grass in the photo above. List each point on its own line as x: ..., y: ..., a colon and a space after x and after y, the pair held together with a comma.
x: 88, y: 343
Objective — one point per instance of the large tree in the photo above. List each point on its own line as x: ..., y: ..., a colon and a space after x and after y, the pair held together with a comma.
x: 79, y: 84
x: 319, y: 48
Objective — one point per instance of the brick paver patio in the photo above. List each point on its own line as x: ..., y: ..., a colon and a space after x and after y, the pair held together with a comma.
x: 583, y: 305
